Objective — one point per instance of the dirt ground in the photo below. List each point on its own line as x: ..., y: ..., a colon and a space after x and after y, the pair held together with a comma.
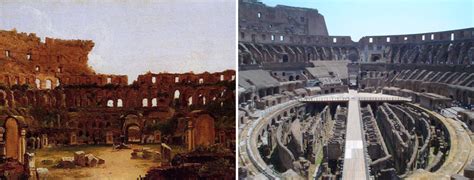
x: 118, y: 164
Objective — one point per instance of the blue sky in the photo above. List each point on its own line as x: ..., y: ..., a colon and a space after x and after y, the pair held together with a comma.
x: 133, y: 37
x: 359, y: 18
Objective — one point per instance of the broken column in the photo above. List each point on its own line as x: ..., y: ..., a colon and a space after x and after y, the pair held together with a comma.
x: 165, y: 154
x: 79, y: 158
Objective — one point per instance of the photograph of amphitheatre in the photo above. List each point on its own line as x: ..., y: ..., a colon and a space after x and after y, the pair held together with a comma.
x: 355, y: 89
x: 117, y: 90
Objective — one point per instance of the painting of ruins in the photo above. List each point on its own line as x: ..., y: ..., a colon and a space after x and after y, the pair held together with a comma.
x: 60, y: 119
x: 317, y: 106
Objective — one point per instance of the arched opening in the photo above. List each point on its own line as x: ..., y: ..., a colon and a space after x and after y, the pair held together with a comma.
x: 48, y: 84
x: 119, y: 103
x: 153, y: 80
x: 176, y: 94
x: 291, y: 78
x: 110, y: 103
x: 203, y: 100
x: 222, y: 77
x: 38, y: 83
x: 285, y: 58
x: 154, y: 102
x: 133, y: 134
x: 297, y: 77
x: 145, y: 102
x: 201, y: 81
x: 375, y: 58
x: 12, y: 138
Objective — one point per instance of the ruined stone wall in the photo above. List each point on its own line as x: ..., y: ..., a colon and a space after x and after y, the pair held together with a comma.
x: 266, y: 54
x: 26, y: 59
x: 180, y: 96
x: 52, y: 85
x: 283, y: 19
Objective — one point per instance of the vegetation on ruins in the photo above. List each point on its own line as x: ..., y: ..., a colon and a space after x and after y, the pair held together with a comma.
x: 44, y: 115
x: 167, y: 127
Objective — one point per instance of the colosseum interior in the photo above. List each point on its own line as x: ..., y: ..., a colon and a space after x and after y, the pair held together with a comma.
x: 50, y: 97
x: 316, y: 106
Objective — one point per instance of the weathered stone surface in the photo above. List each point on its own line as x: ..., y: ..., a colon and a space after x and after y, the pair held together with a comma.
x: 66, y: 162
x: 96, y: 108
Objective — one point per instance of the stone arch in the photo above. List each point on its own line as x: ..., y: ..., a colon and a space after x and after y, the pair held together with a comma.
x: 12, y: 138
x: 15, y: 142
x: 132, y: 128
x: 154, y: 102
x: 145, y: 102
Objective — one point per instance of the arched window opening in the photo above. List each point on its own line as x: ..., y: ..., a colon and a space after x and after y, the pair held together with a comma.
x: 145, y: 102
x: 285, y: 58
x: 153, y: 80
x: 110, y: 103
x: 38, y: 83
x: 176, y: 94
x: 119, y: 103
x: 154, y: 102
x: 49, y: 84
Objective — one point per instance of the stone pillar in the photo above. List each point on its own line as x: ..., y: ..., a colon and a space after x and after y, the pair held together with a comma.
x: 22, y: 148
x: 109, y: 139
x: 30, y: 157
x: 38, y: 143
x: 165, y: 154
x: 190, y: 135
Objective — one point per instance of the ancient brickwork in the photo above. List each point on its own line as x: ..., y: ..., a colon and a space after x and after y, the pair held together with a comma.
x: 65, y: 102
x: 26, y: 59
x: 257, y: 16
